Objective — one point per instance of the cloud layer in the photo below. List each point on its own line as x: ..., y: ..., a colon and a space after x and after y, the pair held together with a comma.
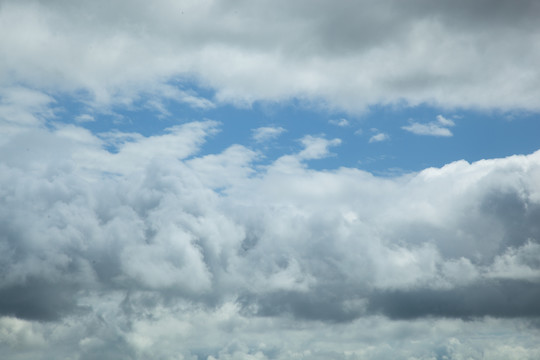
x: 119, y: 245
x: 125, y: 252
x: 344, y: 55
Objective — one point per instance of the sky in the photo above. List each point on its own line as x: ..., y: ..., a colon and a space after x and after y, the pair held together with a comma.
x: 308, y: 179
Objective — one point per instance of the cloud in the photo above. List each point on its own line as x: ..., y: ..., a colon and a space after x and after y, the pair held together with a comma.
x: 23, y: 106
x: 339, y: 122
x: 84, y: 118
x: 316, y: 147
x: 379, y: 137
x: 430, y: 129
x: 20, y: 334
x: 478, y: 299
x: 266, y: 133
x: 448, y: 54
x: 121, y: 245
x: 125, y: 252
x: 434, y: 128
x: 444, y: 121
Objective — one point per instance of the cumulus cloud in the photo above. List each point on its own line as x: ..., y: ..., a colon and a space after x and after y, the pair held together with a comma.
x: 120, y: 245
x: 349, y: 55
x: 125, y: 252
x: 434, y: 128
x: 316, y: 147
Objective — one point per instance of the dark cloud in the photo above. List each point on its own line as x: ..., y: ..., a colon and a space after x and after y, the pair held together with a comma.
x: 329, y: 305
x: 498, y: 14
x: 518, y: 216
x: 495, y: 298
x: 40, y: 299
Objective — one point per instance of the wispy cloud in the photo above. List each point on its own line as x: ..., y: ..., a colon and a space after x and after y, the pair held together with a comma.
x: 84, y: 118
x: 444, y: 121
x: 339, y: 122
x: 440, y: 127
x: 266, y: 133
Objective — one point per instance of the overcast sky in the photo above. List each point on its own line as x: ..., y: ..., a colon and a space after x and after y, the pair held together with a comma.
x: 230, y: 180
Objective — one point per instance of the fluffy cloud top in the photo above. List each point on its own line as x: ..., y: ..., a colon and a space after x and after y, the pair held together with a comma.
x: 125, y: 253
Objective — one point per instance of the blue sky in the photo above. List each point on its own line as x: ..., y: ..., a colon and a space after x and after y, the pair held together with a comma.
x: 273, y: 179
x: 475, y: 135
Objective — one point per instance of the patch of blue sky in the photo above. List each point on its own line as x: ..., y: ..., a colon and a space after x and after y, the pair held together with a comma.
x: 375, y: 141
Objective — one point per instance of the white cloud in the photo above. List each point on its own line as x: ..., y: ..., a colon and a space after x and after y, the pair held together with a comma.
x: 266, y: 133
x: 430, y: 129
x: 154, y: 250
x: 516, y: 263
x: 20, y: 334
x: 444, y: 121
x: 316, y: 147
x: 167, y: 245
x: 379, y: 137
x: 22, y: 106
x: 434, y: 128
x: 339, y: 122
x: 420, y: 54
x: 84, y: 118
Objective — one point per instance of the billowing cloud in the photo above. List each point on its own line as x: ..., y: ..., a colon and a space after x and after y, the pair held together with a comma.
x: 126, y: 244
x: 126, y: 252
x: 349, y: 55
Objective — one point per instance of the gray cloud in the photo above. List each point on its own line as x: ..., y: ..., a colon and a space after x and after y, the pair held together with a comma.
x: 500, y: 298
x: 281, y: 241
x: 350, y: 55
x: 39, y: 299
x: 151, y: 249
